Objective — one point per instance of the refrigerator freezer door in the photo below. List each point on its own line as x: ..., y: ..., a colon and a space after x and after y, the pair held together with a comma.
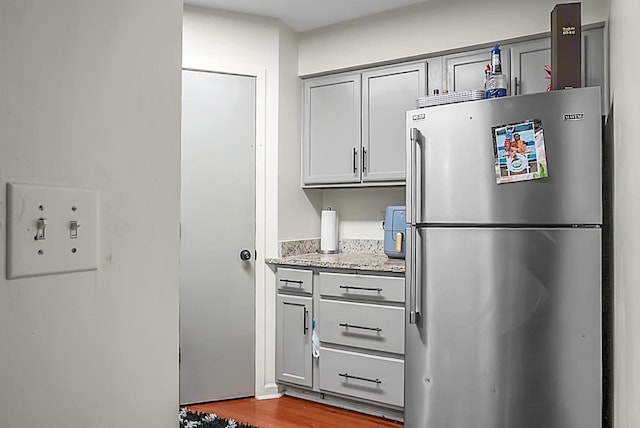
x: 510, y: 332
x: 456, y: 175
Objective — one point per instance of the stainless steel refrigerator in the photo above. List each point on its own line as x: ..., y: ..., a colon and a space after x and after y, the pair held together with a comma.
x: 504, y: 280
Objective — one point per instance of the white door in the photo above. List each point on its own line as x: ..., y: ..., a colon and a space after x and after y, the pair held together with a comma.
x: 218, y: 224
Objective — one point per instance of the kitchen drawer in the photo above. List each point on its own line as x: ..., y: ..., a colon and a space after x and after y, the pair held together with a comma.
x: 370, y: 377
x: 295, y: 280
x: 365, y: 287
x: 362, y: 325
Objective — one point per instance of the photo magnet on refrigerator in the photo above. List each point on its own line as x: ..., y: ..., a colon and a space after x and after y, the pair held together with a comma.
x: 519, y: 151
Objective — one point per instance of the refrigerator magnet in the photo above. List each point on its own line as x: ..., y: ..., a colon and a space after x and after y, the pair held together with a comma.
x: 519, y: 151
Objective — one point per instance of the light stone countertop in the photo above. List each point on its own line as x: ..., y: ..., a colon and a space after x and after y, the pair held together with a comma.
x: 353, y: 261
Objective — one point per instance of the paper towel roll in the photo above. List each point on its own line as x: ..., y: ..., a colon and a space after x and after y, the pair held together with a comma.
x: 329, y: 232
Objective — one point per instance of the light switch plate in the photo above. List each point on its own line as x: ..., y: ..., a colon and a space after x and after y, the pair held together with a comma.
x: 30, y: 205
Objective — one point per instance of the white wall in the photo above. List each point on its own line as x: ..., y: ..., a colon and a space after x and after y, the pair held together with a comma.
x: 360, y: 211
x: 432, y: 26
x: 91, y: 97
x: 625, y: 90
x: 298, y: 210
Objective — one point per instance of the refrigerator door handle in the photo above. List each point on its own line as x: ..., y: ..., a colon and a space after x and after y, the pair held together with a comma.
x: 413, y: 189
x: 411, y: 269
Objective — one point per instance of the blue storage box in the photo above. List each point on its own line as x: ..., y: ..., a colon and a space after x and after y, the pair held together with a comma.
x: 394, y: 230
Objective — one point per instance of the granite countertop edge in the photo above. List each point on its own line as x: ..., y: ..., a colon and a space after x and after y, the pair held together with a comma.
x: 364, y: 262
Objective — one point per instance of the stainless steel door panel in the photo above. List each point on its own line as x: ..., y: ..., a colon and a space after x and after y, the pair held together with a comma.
x: 510, y: 332
x: 456, y: 170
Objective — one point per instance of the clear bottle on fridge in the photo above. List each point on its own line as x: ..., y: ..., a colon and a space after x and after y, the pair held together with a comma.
x: 496, y: 81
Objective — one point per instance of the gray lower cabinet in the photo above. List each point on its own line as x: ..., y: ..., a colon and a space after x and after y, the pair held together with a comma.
x: 372, y: 377
x: 353, y: 129
x: 294, y: 281
x: 362, y: 325
x: 359, y: 319
x: 368, y: 288
x: 293, y: 339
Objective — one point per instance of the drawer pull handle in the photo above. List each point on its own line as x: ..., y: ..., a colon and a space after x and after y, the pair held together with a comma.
x: 352, y: 287
x: 348, y: 376
x: 287, y: 281
x: 345, y: 325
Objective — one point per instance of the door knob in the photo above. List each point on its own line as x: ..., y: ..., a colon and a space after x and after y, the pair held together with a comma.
x: 245, y: 255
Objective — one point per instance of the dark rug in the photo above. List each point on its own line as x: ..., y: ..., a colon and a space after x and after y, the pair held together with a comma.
x: 189, y: 419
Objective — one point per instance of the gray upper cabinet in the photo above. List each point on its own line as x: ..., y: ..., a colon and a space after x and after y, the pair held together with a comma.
x: 528, y: 61
x: 293, y: 339
x: 593, y: 58
x: 387, y: 93
x: 331, y: 129
x: 465, y: 71
x: 354, y: 125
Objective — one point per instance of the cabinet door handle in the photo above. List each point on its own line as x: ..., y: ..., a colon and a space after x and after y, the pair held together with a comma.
x: 515, y: 86
x: 353, y: 287
x: 364, y: 162
x: 345, y: 325
x: 355, y: 160
x: 348, y: 376
x: 287, y: 281
x: 304, y: 315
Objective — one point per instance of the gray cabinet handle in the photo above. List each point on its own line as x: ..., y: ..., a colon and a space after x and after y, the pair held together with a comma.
x: 355, y: 160
x: 364, y: 162
x: 287, y: 281
x: 515, y: 86
x: 345, y: 325
x: 353, y: 287
x: 304, y: 315
x: 348, y: 376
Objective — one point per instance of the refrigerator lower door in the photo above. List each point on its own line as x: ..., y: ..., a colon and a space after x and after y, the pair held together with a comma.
x: 509, y: 334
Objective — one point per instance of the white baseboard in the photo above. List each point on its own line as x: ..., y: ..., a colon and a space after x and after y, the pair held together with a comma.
x: 269, y: 397
x: 270, y: 391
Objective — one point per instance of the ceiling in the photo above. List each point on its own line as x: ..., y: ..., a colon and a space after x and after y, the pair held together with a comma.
x: 304, y: 15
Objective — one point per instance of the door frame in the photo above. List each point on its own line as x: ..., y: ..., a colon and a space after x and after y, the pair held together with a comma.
x: 266, y: 231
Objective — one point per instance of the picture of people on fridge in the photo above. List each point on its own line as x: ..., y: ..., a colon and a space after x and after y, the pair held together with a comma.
x: 519, y: 151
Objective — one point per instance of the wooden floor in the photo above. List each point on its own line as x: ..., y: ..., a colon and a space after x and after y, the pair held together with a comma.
x: 289, y: 412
